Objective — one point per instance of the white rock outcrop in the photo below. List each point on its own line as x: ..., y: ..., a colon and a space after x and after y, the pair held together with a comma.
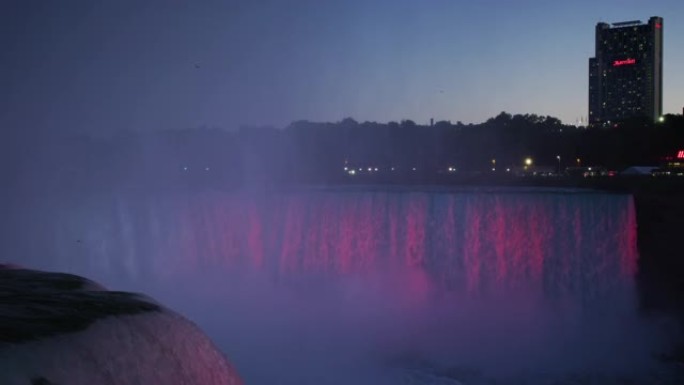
x: 62, y: 329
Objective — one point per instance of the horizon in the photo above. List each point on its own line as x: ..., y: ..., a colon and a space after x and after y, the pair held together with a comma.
x: 101, y: 68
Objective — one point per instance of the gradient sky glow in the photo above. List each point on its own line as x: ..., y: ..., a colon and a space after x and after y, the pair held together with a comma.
x: 99, y: 66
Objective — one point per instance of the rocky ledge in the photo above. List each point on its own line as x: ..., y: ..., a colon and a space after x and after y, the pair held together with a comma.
x: 63, y: 329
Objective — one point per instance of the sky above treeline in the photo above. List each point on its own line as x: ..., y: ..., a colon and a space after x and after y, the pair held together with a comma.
x: 105, y: 65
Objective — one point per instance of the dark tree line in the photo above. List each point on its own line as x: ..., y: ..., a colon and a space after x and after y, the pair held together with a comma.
x: 317, y: 152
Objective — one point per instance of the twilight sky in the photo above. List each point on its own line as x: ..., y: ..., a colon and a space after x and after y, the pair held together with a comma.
x: 104, y: 65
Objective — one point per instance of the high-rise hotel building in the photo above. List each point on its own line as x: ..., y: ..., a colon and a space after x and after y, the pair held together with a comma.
x: 626, y: 75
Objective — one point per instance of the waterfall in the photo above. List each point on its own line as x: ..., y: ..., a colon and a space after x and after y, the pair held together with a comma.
x: 523, y: 278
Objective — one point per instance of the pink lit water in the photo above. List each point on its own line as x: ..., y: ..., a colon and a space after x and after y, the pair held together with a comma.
x: 350, y: 286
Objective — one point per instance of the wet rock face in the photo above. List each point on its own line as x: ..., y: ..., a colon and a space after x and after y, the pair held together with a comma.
x: 36, y: 305
x: 64, y: 329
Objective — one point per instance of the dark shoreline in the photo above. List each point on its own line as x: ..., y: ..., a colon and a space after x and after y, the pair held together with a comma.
x: 660, y: 239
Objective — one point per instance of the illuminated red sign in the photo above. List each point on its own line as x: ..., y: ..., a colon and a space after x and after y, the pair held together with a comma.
x: 658, y: 25
x: 618, y: 63
x: 680, y: 154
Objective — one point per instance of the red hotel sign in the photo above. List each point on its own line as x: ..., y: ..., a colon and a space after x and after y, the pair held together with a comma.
x: 680, y: 154
x: 618, y: 63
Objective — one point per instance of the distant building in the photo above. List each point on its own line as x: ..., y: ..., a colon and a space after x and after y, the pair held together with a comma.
x: 671, y: 165
x: 626, y: 75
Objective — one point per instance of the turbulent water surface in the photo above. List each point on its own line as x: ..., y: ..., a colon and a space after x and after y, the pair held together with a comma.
x: 371, y: 286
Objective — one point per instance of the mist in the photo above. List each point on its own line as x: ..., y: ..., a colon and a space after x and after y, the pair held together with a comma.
x: 343, y: 285
x: 340, y: 331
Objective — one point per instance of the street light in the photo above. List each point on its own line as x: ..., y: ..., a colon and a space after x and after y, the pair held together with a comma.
x: 559, y: 164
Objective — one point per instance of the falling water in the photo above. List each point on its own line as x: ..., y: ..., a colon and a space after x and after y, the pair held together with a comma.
x: 302, y: 286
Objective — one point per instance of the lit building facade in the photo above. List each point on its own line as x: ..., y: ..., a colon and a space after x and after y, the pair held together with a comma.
x: 626, y: 74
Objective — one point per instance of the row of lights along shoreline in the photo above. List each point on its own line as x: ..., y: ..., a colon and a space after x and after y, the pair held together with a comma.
x: 527, y: 166
x: 625, y: 82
